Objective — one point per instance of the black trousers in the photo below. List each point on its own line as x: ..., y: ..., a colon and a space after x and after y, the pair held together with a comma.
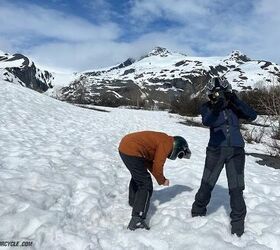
x: 234, y: 160
x: 140, y: 186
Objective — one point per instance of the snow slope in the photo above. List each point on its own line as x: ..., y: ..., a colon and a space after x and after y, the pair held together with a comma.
x: 63, y: 185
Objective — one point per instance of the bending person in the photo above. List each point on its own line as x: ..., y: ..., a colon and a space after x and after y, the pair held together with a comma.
x: 144, y: 152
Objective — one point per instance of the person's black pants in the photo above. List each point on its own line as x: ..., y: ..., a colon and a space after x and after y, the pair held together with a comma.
x: 140, y: 186
x: 234, y: 160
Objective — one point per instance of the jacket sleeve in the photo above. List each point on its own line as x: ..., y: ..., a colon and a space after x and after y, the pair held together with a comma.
x: 208, y: 117
x: 158, y: 163
x: 243, y: 110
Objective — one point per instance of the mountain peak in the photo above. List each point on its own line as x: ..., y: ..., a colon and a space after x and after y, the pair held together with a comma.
x: 237, y: 55
x: 159, y: 51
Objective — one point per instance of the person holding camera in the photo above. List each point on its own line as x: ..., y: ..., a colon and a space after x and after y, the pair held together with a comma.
x: 143, y: 152
x: 226, y: 147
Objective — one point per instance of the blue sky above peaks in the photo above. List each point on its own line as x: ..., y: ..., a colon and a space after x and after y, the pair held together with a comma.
x: 84, y: 34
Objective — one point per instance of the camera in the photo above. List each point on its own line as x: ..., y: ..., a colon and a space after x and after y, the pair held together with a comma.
x: 216, y: 95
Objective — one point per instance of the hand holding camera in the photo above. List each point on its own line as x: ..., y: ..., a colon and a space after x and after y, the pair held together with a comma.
x: 215, y: 96
x: 218, y: 105
x: 231, y: 96
x: 220, y: 94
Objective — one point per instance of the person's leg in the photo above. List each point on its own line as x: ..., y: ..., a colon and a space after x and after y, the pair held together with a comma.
x: 142, y: 199
x: 144, y: 189
x: 235, y: 175
x: 132, y: 192
x: 143, y: 180
x: 214, y: 163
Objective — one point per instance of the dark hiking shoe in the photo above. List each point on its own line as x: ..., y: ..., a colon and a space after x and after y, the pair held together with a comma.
x: 198, y: 209
x: 197, y: 214
x: 137, y: 222
x: 238, y: 230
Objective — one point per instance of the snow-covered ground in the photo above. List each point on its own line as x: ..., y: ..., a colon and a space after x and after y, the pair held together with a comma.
x: 63, y: 185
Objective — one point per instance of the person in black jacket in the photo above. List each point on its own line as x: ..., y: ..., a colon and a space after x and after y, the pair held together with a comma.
x: 226, y: 147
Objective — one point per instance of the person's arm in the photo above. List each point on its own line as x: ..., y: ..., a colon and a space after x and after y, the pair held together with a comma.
x: 158, y: 164
x: 242, y: 109
x: 210, y: 112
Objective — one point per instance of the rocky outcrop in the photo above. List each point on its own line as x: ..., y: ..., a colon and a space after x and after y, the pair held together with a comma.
x: 19, y: 69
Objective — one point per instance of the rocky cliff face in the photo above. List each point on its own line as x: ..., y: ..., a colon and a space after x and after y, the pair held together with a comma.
x: 19, y: 69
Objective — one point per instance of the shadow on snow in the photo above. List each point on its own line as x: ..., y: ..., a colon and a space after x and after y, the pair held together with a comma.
x: 166, y: 195
x: 219, y: 198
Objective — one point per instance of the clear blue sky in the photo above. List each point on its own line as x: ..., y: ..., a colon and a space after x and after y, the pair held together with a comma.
x: 83, y: 34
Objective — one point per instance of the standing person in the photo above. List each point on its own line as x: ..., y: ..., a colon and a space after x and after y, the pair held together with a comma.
x: 226, y: 147
x: 142, y: 151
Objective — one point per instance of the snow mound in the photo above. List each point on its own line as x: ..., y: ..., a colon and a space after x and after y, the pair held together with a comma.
x: 63, y: 185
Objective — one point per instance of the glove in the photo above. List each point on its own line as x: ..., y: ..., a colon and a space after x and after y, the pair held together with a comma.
x: 218, y: 106
x: 216, y: 95
x: 231, y: 96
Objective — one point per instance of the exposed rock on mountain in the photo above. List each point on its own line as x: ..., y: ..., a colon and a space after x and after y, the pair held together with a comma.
x: 19, y: 69
x: 163, y: 76
x: 154, y: 80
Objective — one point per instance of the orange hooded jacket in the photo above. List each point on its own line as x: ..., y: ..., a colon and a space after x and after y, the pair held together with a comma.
x: 151, y: 145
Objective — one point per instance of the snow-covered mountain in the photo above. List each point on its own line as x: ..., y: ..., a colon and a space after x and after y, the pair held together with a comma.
x: 21, y: 70
x: 157, y: 78
x: 64, y: 186
x: 161, y: 76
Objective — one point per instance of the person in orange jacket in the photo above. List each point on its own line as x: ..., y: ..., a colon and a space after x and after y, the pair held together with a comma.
x: 144, y: 152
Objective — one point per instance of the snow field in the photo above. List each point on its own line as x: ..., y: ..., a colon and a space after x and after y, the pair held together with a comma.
x: 63, y: 185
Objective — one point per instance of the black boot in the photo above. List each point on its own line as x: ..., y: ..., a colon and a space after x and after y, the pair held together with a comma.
x: 237, y: 228
x: 137, y: 222
x: 198, y: 214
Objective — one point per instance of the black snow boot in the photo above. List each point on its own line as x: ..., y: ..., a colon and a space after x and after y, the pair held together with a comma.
x: 237, y: 228
x: 198, y: 214
x: 137, y: 222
